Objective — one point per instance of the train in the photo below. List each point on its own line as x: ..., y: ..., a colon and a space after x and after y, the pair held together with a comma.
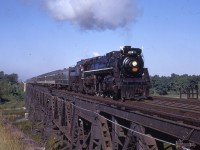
x: 118, y: 74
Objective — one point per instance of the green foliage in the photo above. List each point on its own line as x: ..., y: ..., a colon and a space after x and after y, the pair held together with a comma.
x: 12, y: 110
x: 54, y: 143
x: 12, y: 78
x: 26, y: 127
x: 9, y: 86
x: 1, y: 75
x: 173, y: 84
x: 160, y: 84
x: 11, y: 96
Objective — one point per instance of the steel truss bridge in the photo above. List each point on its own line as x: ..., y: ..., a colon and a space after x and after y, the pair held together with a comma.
x: 84, y: 123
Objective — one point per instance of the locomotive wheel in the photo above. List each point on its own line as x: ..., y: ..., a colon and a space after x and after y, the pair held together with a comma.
x: 101, y: 94
x: 97, y: 93
x: 115, y: 97
x: 111, y: 96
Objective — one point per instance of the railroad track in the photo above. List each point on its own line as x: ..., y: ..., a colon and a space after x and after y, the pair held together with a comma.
x: 175, y: 105
x: 171, y: 113
x: 178, y: 110
x: 177, y: 100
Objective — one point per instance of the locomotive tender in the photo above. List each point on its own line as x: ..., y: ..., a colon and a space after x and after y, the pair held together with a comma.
x: 118, y: 74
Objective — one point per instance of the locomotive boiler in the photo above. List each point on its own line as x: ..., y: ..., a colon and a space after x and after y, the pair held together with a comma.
x: 118, y: 74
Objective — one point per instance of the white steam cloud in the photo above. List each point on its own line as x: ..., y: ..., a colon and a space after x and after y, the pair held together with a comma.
x: 94, y: 14
x: 95, y: 54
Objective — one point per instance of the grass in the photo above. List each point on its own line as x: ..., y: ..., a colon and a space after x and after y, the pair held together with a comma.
x: 53, y: 143
x: 26, y: 128
x: 10, y: 111
x: 9, y: 101
x: 10, y: 139
x: 8, y: 142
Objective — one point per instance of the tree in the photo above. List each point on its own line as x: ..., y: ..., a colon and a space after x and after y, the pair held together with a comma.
x: 1, y: 75
x: 1, y: 93
x: 173, y: 84
x: 12, y: 78
x: 160, y: 84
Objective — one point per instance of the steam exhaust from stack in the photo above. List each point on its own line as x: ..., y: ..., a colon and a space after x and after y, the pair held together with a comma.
x: 94, y: 14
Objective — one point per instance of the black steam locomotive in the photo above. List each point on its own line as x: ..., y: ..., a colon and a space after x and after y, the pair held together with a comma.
x: 118, y: 74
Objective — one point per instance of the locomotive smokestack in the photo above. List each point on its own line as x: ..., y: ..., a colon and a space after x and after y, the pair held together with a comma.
x: 94, y: 14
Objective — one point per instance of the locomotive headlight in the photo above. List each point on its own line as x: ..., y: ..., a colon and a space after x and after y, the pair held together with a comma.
x: 134, y: 63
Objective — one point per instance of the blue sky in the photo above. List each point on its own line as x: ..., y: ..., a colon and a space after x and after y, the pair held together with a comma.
x: 34, y: 41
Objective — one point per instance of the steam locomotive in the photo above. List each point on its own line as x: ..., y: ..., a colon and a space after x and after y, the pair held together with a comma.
x: 118, y: 74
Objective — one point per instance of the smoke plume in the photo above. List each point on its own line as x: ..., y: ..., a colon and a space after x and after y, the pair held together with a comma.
x: 94, y: 14
x: 95, y: 54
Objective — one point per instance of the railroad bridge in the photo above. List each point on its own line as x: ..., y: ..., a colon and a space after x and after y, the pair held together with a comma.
x: 86, y: 122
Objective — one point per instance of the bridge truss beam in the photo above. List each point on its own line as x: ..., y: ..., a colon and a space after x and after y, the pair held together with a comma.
x: 87, y: 125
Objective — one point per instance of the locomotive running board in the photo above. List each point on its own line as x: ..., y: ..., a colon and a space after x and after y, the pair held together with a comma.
x: 98, y: 70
